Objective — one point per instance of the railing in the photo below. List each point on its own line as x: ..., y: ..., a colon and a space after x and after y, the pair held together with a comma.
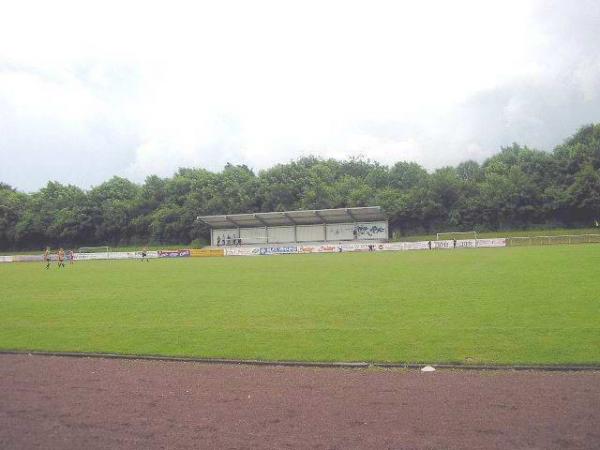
x: 564, y: 239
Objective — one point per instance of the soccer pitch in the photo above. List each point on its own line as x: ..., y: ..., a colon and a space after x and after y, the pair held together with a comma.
x: 534, y: 305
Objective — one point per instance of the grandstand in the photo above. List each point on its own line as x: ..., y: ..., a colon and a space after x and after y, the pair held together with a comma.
x: 359, y: 224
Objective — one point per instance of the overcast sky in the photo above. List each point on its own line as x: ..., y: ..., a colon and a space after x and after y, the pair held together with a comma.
x: 138, y: 88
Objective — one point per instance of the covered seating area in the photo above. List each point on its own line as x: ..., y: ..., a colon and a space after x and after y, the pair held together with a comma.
x: 323, y: 225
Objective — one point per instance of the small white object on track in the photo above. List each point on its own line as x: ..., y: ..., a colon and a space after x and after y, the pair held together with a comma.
x: 427, y: 369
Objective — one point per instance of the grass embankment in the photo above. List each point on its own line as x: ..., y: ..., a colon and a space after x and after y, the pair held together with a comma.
x: 536, y: 305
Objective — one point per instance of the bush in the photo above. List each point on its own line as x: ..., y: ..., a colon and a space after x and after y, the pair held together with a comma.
x: 197, y: 243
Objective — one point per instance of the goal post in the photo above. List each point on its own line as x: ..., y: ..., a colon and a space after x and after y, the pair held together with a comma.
x: 98, y: 249
x: 456, y: 235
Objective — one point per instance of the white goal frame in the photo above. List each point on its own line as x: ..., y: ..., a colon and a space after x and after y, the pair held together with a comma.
x: 459, y: 234
x: 99, y: 249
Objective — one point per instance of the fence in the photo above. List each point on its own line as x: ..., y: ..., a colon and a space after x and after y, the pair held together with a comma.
x: 332, y: 248
x: 553, y: 240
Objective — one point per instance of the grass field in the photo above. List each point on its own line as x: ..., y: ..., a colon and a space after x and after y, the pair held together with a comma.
x: 538, y: 305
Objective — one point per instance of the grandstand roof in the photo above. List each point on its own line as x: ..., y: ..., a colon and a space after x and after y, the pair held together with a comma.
x: 307, y: 217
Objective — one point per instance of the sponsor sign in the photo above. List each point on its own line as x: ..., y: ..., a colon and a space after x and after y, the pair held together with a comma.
x: 393, y: 246
x: 124, y: 255
x: 88, y: 256
x: 6, y: 259
x: 420, y: 245
x: 242, y: 251
x: 442, y: 244
x: 30, y: 258
x: 498, y: 242
x: 278, y: 250
x: 307, y: 249
x: 466, y: 243
x: 357, y: 247
x: 112, y: 255
x: 327, y: 249
x: 173, y: 253
x: 206, y: 252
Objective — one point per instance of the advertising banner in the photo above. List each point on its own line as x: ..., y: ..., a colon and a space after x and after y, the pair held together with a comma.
x: 278, y: 250
x: 113, y: 255
x: 420, y: 245
x: 88, y: 256
x: 242, y: 251
x: 125, y: 255
x: 173, y: 253
x: 328, y: 248
x: 498, y: 242
x: 6, y: 259
x: 442, y: 244
x: 30, y: 258
x: 393, y: 246
x: 206, y: 252
x: 358, y: 247
x: 466, y: 243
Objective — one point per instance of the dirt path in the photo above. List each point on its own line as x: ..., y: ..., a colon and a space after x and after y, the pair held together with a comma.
x: 59, y: 402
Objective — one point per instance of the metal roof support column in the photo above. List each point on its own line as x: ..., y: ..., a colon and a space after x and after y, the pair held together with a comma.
x: 351, y: 215
x: 324, y: 224
x: 266, y: 227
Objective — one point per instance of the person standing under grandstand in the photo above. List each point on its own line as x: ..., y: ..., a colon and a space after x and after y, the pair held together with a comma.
x: 47, y: 257
x: 61, y: 258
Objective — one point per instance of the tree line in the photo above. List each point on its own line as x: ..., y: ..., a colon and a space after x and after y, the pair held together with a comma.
x: 517, y: 188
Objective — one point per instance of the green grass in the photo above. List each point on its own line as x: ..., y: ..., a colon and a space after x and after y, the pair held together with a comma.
x: 538, y: 305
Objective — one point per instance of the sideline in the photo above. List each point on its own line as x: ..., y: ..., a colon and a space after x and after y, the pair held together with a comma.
x: 345, y: 365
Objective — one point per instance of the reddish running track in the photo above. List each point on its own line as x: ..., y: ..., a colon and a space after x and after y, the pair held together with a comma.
x: 89, y: 403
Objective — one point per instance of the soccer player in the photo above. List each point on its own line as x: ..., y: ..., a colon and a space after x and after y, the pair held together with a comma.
x: 145, y: 253
x: 71, y: 257
x: 61, y: 258
x: 47, y: 257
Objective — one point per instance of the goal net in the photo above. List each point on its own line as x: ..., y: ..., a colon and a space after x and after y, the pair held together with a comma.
x: 518, y: 241
x: 456, y: 235
x: 101, y: 249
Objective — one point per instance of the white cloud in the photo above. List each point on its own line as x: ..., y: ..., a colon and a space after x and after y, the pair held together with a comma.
x: 134, y: 88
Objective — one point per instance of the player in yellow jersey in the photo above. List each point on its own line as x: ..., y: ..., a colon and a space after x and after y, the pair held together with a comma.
x: 61, y: 258
x: 47, y: 257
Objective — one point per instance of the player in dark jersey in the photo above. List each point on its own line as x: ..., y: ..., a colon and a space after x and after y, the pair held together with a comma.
x: 145, y: 254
